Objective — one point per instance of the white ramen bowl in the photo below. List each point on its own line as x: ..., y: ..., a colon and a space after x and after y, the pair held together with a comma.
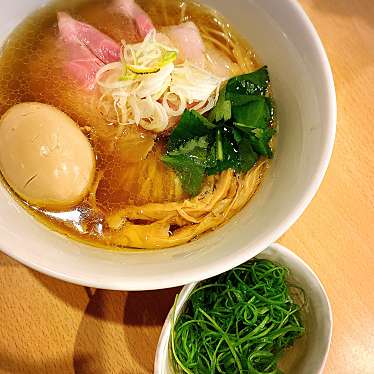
x: 309, y: 354
x: 303, y: 88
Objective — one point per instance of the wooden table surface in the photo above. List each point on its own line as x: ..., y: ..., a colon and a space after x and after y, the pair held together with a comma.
x: 48, y: 326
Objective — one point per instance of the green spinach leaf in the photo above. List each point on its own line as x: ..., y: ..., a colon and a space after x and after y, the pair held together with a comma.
x: 189, y: 162
x: 255, y: 83
x: 260, y: 139
x: 191, y: 125
x: 247, y: 155
x: 222, y: 110
x: 237, y: 131
x: 255, y: 114
x: 230, y: 154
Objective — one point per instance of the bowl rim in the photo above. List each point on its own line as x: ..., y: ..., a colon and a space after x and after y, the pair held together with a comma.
x: 241, y: 254
x: 187, y: 289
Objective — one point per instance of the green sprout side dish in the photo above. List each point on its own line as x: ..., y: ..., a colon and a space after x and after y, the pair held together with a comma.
x: 238, y: 322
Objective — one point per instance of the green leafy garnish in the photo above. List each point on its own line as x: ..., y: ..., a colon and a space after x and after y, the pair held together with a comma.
x: 247, y: 155
x: 236, y: 132
x: 222, y: 110
x: 255, y: 83
x: 189, y: 162
x: 254, y: 114
x: 219, y: 146
x: 229, y: 153
x: 238, y: 322
x: 191, y: 125
x: 260, y: 139
x: 237, y: 135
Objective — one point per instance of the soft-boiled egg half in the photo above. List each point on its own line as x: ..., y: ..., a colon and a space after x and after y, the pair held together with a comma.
x: 44, y: 156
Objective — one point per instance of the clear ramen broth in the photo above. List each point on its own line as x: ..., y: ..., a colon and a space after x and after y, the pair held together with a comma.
x: 135, y: 200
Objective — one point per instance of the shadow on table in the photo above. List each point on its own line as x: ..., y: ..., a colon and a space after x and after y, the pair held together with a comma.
x: 117, y: 329
x: 10, y: 364
x: 149, y: 308
x: 120, y: 330
x: 6, y: 261
x: 146, y: 309
x: 73, y: 295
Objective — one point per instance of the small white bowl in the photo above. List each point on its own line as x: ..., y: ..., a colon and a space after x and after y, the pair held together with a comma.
x: 309, y: 354
x: 301, y: 79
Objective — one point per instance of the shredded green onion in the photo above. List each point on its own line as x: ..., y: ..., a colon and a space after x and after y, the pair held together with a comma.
x: 167, y: 58
x: 238, y: 322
